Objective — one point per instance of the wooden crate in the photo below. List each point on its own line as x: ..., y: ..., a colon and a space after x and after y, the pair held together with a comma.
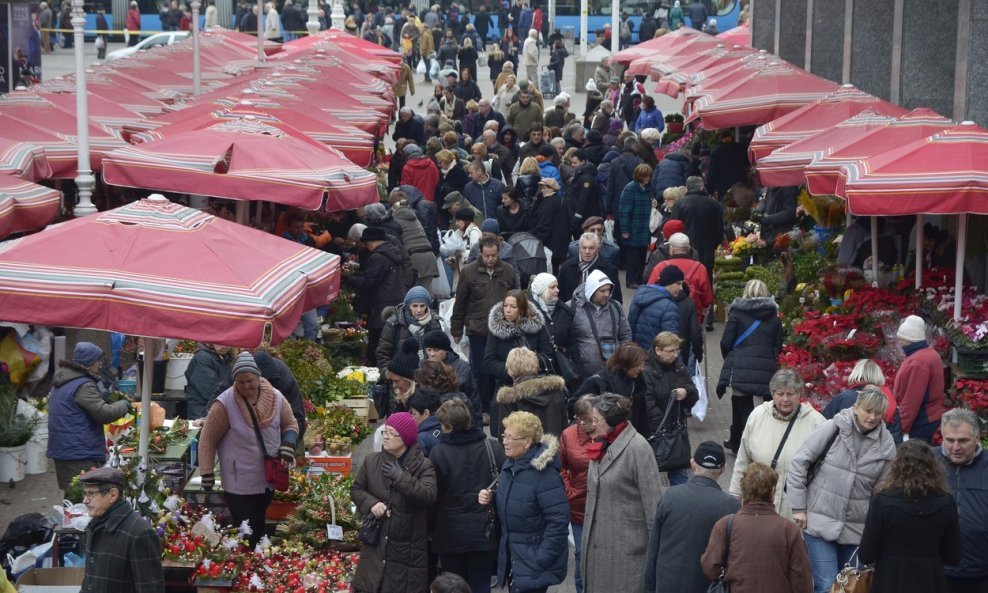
x: 360, y: 405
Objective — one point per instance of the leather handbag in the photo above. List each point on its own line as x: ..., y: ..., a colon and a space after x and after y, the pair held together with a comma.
x: 275, y: 471
x: 492, y: 531
x: 370, y: 530
x: 720, y: 585
x: 671, y: 442
x: 853, y: 579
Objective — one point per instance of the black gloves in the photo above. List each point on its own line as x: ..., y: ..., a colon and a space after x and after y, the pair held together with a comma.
x: 391, y: 469
x: 208, y: 481
x: 721, y: 390
x: 287, y: 453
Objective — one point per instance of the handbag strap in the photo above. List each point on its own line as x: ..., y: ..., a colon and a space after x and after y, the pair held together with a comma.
x: 785, y: 437
x: 744, y: 335
x: 588, y: 308
x: 727, y: 548
x: 257, y: 430
x: 665, y: 416
x: 490, y: 458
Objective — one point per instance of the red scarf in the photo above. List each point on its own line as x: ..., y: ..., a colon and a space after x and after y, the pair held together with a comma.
x: 596, y: 449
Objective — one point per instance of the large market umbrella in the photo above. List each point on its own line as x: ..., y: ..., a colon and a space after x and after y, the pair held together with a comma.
x: 360, y: 47
x: 740, y: 35
x: 667, y: 41
x: 155, y: 268
x: 946, y: 173
x: 34, y: 154
x: 98, y: 85
x: 768, y: 94
x: 675, y: 73
x: 25, y: 206
x: 815, y: 117
x: 826, y: 175
x: 691, y: 47
x: 786, y: 165
x: 245, y: 160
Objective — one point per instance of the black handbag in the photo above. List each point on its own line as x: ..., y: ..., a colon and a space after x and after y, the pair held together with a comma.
x: 370, y: 530
x: 492, y: 531
x: 720, y: 585
x: 671, y: 442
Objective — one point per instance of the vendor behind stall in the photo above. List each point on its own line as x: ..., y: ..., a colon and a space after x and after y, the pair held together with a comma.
x: 207, y: 376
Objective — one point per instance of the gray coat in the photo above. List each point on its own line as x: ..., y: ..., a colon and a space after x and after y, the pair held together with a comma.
x: 622, y: 494
x: 418, y: 246
x: 585, y: 348
x: 836, y: 502
x: 683, y: 521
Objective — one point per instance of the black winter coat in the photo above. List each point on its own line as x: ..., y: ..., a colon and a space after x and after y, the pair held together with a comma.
x: 400, y: 561
x: 505, y: 336
x: 543, y: 396
x: 728, y: 164
x: 622, y: 172
x: 690, y: 330
x: 462, y: 470
x: 595, y: 149
x: 281, y: 378
x: 548, y: 221
x: 509, y: 223
x: 379, y: 284
x: 909, y: 541
x: 749, y: 367
x: 660, y: 379
x: 607, y: 382
x: 395, y: 332
x: 704, y: 221
x: 569, y: 277
x: 124, y: 553
x: 583, y: 200
x: 780, y: 211
x: 453, y: 180
x: 528, y: 187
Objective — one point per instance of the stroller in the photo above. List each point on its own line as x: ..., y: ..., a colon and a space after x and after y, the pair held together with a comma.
x: 529, y: 256
x: 548, y: 85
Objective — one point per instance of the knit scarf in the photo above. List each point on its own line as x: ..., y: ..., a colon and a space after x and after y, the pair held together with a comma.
x: 97, y: 521
x: 546, y: 307
x: 448, y: 107
x: 597, y: 449
x: 778, y: 416
x: 417, y: 328
x: 585, y: 267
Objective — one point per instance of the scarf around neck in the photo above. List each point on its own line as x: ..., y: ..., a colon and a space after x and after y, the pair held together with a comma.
x: 597, y: 449
x: 585, y: 267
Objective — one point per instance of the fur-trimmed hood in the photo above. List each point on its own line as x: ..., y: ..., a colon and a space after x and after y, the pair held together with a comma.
x: 757, y: 307
x: 539, y: 457
x: 504, y: 329
x: 539, y: 390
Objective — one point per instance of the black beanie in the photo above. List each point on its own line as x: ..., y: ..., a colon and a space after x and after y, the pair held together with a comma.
x: 670, y: 275
x: 406, y: 361
x: 436, y: 339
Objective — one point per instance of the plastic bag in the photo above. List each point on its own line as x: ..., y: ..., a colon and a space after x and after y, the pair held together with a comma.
x: 445, y: 319
x: 700, y: 409
x: 440, y: 284
x: 420, y: 69
x: 433, y: 68
x: 609, y: 230
x: 482, y: 58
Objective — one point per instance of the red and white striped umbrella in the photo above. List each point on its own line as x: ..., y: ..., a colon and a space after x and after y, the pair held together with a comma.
x: 740, y: 35
x: 25, y: 206
x: 690, y: 47
x: 675, y: 74
x: 667, y: 41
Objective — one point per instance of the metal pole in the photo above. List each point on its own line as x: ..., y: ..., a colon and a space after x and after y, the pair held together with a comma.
x: 196, y: 60
x: 615, y: 26
x: 919, y: 251
x: 959, y: 267
x: 874, y: 251
x: 312, y: 25
x: 552, y: 15
x: 339, y: 16
x: 85, y: 180
x: 260, y: 31
x: 584, y: 33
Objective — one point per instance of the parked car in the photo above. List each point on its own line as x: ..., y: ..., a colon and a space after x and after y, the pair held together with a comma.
x: 166, y: 38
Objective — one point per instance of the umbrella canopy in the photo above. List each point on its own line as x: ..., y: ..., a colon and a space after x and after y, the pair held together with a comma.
x: 35, y: 154
x: 245, y: 160
x: 946, y: 173
x: 667, y: 41
x: 766, y: 95
x: 815, y: 117
x: 740, y: 35
x: 99, y: 86
x: 155, y: 268
x: 675, y: 74
x: 25, y: 206
x: 687, y: 48
x: 363, y: 48
x: 826, y: 175
x: 786, y: 165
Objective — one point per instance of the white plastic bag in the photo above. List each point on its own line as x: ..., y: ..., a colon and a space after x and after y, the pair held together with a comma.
x: 420, y: 69
x: 609, y: 230
x: 700, y: 409
x: 445, y: 319
x: 482, y: 58
x: 440, y: 284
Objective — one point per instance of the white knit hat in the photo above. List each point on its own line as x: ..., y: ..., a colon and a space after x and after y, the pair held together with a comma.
x: 591, y: 86
x: 595, y: 280
x: 913, y: 329
x: 541, y: 283
x: 679, y: 240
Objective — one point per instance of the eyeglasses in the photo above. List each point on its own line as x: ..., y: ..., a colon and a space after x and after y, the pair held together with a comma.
x: 389, y: 434
x: 91, y: 494
x: 505, y: 437
x: 584, y: 420
x: 670, y: 350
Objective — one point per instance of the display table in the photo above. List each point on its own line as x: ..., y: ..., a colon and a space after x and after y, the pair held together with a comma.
x: 169, y: 399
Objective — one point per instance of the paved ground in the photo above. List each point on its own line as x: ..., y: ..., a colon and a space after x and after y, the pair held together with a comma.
x: 39, y: 493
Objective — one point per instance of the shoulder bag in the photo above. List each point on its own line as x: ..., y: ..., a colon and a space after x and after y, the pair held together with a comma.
x: 814, y: 465
x: 607, y: 346
x: 492, y: 531
x: 785, y: 437
x: 559, y: 363
x: 853, y: 579
x: 720, y: 585
x: 274, y: 471
x: 671, y: 443
x: 744, y: 335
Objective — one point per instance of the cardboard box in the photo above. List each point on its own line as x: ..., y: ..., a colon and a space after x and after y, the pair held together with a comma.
x: 51, y: 580
x: 334, y: 464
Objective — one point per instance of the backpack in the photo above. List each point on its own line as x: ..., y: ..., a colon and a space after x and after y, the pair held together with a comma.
x: 626, y: 29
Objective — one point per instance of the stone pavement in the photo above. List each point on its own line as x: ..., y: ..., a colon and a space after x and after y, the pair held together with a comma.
x: 39, y: 493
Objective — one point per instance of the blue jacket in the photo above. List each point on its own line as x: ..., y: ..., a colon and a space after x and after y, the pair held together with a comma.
x: 650, y: 118
x: 484, y: 198
x: 969, y: 485
x: 534, y: 515
x: 549, y: 170
x: 653, y: 310
x: 429, y: 432
x: 671, y: 171
x: 76, y: 415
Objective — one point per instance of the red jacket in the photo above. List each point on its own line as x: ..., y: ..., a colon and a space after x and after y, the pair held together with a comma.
x: 133, y: 20
x: 423, y: 174
x: 921, y: 373
x: 696, y: 278
x: 573, y: 445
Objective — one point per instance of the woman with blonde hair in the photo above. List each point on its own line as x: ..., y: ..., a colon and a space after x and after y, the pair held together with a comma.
x: 529, y: 176
x: 867, y: 372
x: 507, y: 89
x: 750, y: 346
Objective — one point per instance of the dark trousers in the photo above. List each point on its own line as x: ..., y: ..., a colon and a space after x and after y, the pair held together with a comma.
x: 979, y: 585
x: 635, y: 264
x: 250, y: 507
x: 741, y: 407
x: 485, y: 383
x: 474, y: 567
x: 373, y: 337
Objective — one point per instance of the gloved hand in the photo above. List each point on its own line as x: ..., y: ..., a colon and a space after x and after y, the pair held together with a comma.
x: 287, y: 454
x: 391, y: 469
x: 208, y: 481
x: 757, y: 216
x: 721, y: 390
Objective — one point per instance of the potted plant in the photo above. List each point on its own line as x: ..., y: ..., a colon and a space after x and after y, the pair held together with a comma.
x: 15, y: 431
x: 674, y: 123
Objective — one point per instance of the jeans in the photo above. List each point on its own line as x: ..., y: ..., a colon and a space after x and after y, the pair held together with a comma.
x: 577, y: 547
x: 678, y: 476
x: 474, y: 567
x: 827, y: 558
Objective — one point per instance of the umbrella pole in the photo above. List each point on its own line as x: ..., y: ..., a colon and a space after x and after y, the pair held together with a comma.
x: 260, y: 31
x: 874, y: 251
x: 243, y: 212
x: 150, y: 346
x: 959, y: 267
x: 919, y: 251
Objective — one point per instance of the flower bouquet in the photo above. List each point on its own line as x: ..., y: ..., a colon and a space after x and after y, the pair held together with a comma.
x: 838, y: 281
x: 826, y: 210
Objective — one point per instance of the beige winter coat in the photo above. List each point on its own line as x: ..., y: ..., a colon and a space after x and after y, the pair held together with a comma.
x: 622, y: 495
x: 761, y: 437
x: 837, y: 500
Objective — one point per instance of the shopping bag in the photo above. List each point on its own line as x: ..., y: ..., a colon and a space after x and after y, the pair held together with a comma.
x: 699, y: 411
x: 440, y: 284
x: 609, y: 230
x: 482, y: 58
x: 420, y: 69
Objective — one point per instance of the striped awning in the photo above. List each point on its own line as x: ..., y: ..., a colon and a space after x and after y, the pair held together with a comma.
x: 156, y: 268
x: 25, y: 206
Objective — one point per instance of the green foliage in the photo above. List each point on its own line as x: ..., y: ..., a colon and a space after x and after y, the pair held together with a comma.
x: 807, y: 266
x: 341, y: 309
x: 15, y: 429
x: 332, y: 389
x: 771, y: 274
x: 307, y: 362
